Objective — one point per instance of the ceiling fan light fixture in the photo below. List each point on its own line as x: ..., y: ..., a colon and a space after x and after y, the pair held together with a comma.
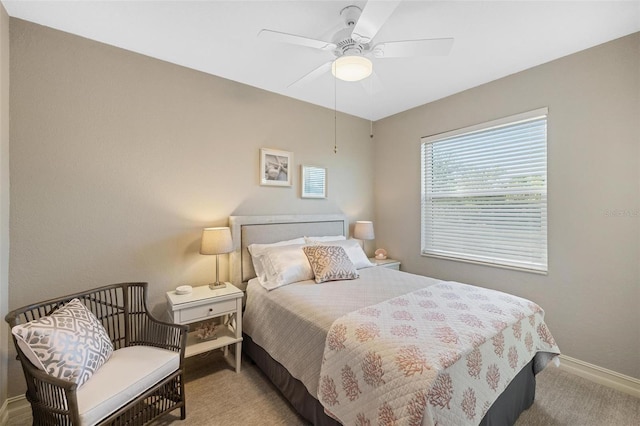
x: 351, y: 68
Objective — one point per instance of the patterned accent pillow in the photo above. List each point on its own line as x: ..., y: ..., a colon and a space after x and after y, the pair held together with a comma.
x: 330, y: 263
x: 354, y: 251
x: 70, y: 344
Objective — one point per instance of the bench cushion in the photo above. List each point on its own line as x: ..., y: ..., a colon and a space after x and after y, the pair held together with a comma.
x: 129, y: 372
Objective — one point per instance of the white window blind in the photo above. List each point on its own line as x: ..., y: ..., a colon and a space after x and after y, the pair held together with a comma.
x: 484, y: 193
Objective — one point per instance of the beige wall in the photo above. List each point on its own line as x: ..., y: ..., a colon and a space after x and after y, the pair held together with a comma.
x: 4, y: 199
x: 592, y: 291
x: 119, y: 160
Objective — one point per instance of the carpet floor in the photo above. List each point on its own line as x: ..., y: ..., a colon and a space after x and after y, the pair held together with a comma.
x: 216, y: 395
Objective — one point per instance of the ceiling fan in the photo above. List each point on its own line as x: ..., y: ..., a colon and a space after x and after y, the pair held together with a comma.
x: 353, y: 45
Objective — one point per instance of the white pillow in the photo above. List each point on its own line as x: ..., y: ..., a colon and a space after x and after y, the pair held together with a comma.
x: 285, y: 265
x: 257, y: 251
x: 325, y: 239
x: 69, y: 344
x: 354, y: 251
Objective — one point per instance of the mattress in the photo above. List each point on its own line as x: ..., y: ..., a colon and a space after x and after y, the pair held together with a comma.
x: 291, y: 323
x: 516, y: 398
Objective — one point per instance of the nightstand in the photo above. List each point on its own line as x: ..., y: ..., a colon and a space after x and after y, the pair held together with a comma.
x: 386, y: 263
x: 204, y: 304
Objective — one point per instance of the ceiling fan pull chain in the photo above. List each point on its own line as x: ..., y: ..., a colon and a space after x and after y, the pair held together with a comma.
x: 335, y: 116
x: 371, y: 103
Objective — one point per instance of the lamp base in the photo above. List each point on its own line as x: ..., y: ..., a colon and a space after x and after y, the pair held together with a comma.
x: 217, y: 286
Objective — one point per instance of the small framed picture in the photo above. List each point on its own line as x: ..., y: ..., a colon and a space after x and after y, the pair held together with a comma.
x: 275, y: 167
x: 314, y: 182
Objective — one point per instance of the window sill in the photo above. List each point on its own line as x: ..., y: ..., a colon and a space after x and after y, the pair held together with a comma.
x: 478, y: 262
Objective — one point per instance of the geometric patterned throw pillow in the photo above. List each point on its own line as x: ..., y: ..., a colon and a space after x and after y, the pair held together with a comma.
x: 330, y: 263
x: 70, y: 344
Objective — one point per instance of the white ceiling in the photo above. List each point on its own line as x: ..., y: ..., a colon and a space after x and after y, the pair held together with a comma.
x: 492, y: 39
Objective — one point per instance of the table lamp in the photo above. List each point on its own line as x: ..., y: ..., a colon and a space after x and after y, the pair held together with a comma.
x: 363, y: 231
x: 216, y: 241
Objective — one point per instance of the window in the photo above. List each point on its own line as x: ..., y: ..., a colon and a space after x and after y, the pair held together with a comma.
x: 484, y: 193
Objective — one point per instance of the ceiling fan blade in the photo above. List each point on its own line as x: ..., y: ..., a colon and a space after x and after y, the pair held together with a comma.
x: 403, y: 49
x: 373, y: 17
x: 317, y: 72
x: 295, y: 39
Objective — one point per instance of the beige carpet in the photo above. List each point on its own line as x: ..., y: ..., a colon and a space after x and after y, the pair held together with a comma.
x: 216, y: 395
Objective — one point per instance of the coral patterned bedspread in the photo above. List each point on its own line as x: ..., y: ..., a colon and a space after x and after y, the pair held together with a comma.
x: 436, y: 356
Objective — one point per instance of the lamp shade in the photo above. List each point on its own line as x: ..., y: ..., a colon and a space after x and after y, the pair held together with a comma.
x: 216, y: 241
x: 352, y: 68
x: 363, y: 230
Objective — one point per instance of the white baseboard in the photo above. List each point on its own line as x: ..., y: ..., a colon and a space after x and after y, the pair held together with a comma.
x: 601, y: 375
x: 4, y: 413
x: 17, y: 406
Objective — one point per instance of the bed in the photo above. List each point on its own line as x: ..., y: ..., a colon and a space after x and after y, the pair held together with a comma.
x: 296, y: 335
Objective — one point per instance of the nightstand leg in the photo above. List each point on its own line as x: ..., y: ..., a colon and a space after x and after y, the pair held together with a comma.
x: 238, y: 330
x: 238, y: 356
x: 225, y: 322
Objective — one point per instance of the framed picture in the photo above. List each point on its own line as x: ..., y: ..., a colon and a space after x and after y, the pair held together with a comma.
x: 275, y: 167
x: 314, y: 182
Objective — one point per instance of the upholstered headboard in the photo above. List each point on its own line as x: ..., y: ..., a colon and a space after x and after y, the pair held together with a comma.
x: 246, y: 230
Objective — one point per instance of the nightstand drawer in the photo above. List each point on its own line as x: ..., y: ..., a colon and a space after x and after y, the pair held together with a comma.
x: 209, y: 310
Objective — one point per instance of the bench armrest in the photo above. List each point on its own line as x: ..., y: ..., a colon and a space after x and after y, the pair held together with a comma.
x: 163, y: 335
x: 49, y: 393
